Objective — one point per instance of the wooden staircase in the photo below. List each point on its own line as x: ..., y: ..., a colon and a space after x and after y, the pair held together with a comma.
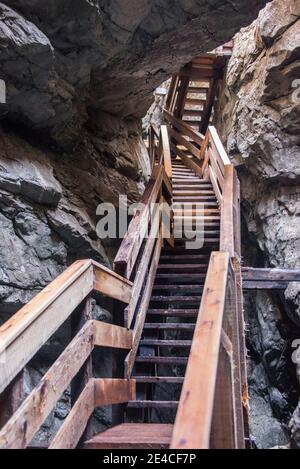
x: 175, y: 300
x: 177, y: 289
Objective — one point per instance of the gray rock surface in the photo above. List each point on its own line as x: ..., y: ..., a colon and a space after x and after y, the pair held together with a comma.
x: 74, y: 55
x: 259, y: 118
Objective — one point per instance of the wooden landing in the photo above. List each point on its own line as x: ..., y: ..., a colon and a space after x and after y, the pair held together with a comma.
x: 133, y: 436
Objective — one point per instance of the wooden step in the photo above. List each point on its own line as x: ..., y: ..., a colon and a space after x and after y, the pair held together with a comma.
x: 181, y: 288
x: 195, y: 191
x: 186, y: 257
x: 196, y: 89
x: 133, y: 436
x: 169, y: 326
x: 174, y: 313
x: 153, y: 404
x: 193, y: 300
x: 182, y: 277
x: 195, y: 102
x: 192, y: 112
x: 163, y: 360
x: 166, y: 343
x: 187, y: 267
x: 159, y: 379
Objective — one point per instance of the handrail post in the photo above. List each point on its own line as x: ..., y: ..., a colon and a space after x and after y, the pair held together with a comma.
x: 227, y: 224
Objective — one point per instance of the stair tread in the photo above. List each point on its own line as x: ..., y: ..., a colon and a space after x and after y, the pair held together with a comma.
x: 156, y: 404
x: 172, y: 299
x: 169, y: 326
x: 166, y: 343
x: 164, y: 360
x: 158, y: 379
x: 174, y: 312
x: 133, y: 436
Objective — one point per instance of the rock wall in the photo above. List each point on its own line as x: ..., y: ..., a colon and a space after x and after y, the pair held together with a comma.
x: 259, y: 119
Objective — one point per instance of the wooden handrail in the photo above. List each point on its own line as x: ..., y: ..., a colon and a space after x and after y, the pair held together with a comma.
x: 25, y: 332
x: 194, y: 416
x: 43, y: 398
x: 97, y: 393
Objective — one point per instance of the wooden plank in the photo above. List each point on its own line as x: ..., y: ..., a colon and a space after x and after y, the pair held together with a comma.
x: 227, y: 228
x: 141, y: 272
x: 78, y: 320
x: 109, y: 335
x: 166, y: 150
x: 236, y: 263
x: 223, y: 431
x: 183, y: 141
x: 140, y: 319
x: 111, y: 284
x: 98, y: 392
x: 69, y: 434
x: 19, y: 349
x: 265, y: 285
x: 11, y: 398
x: 217, y: 191
x: 130, y: 246
x: 12, y: 328
x: 43, y: 398
x: 197, y: 397
x: 270, y: 274
x: 186, y: 160
x: 133, y: 436
x: 218, y: 145
x: 184, y: 128
x: 216, y: 168
x: 237, y: 215
x: 114, y: 391
x: 232, y: 331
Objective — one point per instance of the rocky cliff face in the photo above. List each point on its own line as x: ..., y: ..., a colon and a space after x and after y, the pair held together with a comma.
x: 259, y: 118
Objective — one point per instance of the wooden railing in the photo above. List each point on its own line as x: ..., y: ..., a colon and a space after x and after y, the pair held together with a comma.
x: 211, y: 398
x: 206, y: 156
x: 140, y: 249
x: 212, y: 412
x: 27, y: 331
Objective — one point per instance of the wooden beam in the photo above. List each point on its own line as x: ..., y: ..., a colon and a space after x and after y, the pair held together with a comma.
x: 217, y: 145
x: 12, y: 328
x: 223, y: 431
x: 166, y: 150
x: 114, y: 391
x: 109, y: 335
x: 227, y: 228
x: 97, y: 393
x: 189, y: 162
x: 184, y: 128
x: 37, y: 406
x: 143, y: 307
x: 130, y: 246
x: 270, y: 274
x: 141, y: 273
x: 194, y: 416
x: 215, y: 185
x: 111, y: 284
x: 69, y: 434
x: 183, y: 141
x: 25, y: 333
